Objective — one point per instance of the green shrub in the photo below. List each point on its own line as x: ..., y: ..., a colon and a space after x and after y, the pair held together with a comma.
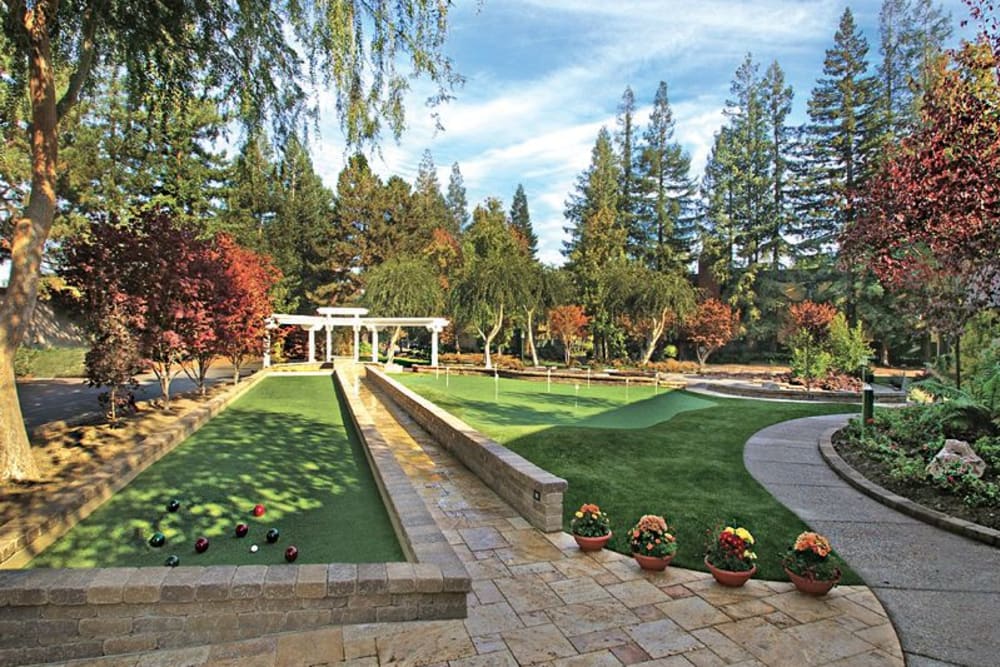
x: 849, y: 350
x: 810, y: 363
x: 24, y: 361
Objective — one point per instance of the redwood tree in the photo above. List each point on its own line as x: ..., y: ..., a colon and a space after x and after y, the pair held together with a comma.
x: 711, y: 326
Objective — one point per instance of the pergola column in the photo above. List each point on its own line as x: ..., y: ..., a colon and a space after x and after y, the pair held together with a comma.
x: 435, y: 329
x: 329, y: 343
x: 267, y: 349
x: 312, y: 345
x: 357, y: 341
x: 374, y: 331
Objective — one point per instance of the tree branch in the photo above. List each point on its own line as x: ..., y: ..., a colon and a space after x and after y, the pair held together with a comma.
x: 88, y: 53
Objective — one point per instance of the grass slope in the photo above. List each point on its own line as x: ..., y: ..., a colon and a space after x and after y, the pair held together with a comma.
x: 283, y: 444
x: 674, y: 454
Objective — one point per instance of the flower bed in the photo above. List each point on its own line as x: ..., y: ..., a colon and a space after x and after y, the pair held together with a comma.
x: 894, y: 449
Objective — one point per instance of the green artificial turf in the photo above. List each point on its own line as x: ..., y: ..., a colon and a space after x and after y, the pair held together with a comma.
x: 671, y: 453
x: 283, y: 445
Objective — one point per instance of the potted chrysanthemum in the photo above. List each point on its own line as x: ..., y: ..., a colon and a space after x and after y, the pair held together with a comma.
x: 653, y: 543
x: 811, y: 564
x: 729, y: 555
x: 591, y: 527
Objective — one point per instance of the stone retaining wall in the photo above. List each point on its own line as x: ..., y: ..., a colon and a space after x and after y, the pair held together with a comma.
x: 51, y: 615
x: 536, y: 494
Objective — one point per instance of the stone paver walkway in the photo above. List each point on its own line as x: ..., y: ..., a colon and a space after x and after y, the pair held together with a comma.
x: 942, y: 590
x: 538, y: 600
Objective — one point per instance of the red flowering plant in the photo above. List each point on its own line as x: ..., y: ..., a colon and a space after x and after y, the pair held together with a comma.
x: 590, y: 521
x: 731, y: 549
x: 812, y: 557
x: 651, y: 536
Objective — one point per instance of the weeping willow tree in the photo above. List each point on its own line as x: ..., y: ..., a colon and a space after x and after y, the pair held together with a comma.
x: 259, y: 61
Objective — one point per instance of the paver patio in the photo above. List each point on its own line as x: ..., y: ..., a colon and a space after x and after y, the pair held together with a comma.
x: 538, y: 600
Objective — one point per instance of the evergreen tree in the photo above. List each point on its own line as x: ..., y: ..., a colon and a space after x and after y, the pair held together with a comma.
x: 429, y: 208
x: 520, y: 221
x: 629, y: 189
x: 777, y: 101
x: 299, y: 239
x: 597, y: 240
x: 912, y: 33
x: 839, y: 136
x: 358, y: 237
x: 667, y: 191
x: 458, y: 205
x: 251, y: 199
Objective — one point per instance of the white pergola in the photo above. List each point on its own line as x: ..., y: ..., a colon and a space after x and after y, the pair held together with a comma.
x: 328, y: 318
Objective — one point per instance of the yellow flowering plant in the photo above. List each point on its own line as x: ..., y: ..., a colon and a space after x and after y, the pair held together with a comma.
x: 731, y: 549
x: 651, y: 536
x: 590, y: 521
x: 812, y: 557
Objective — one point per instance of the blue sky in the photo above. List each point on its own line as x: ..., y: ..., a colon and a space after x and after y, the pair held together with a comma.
x: 542, y: 77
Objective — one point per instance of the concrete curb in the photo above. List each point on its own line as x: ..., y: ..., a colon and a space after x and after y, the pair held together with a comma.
x: 905, y: 505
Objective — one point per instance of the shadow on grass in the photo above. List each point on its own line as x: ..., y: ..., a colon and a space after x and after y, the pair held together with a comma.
x: 284, y: 445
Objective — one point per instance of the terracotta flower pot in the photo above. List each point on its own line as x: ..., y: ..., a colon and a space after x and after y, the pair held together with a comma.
x: 812, y: 586
x: 732, y: 578
x: 592, y: 543
x: 653, y: 563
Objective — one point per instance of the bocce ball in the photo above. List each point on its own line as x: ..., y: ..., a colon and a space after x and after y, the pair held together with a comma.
x: 173, y: 505
x: 201, y: 545
x: 172, y: 561
x: 157, y: 540
x: 242, y: 529
x: 258, y: 510
x: 253, y: 548
x: 291, y: 553
x: 272, y: 535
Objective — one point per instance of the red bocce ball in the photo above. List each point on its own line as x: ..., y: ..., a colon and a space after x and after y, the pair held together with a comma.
x: 291, y: 553
x: 201, y: 545
x: 258, y: 510
x: 242, y: 529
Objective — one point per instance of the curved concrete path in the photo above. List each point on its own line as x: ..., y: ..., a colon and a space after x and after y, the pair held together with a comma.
x: 942, y: 591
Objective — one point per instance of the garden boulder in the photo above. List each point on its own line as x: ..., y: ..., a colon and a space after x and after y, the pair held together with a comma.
x: 956, y: 451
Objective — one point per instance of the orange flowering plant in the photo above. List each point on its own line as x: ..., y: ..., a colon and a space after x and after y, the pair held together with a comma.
x: 812, y: 557
x: 590, y: 521
x: 731, y: 549
x: 651, y: 536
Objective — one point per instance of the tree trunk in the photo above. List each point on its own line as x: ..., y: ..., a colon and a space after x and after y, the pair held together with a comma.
x: 491, y: 335
x: 28, y: 242
x: 958, y: 361
x: 531, y: 337
x: 390, y: 353
x: 654, y: 338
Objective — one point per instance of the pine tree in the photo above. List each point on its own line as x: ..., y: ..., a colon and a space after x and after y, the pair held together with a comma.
x: 667, y: 191
x: 251, y: 199
x: 839, y: 136
x: 429, y: 208
x: 458, y: 205
x: 597, y: 240
x: 629, y: 189
x: 777, y: 101
x: 912, y: 33
x: 299, y: 238
x: 520, y: 221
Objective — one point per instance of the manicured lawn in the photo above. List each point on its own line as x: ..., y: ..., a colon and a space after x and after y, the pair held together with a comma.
x: 51, y: 362
x: 284, y: 445
x: 671, y: 453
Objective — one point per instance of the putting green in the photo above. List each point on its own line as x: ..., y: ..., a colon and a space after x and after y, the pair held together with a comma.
x: 514, y: 408
x: 634, y: 452
x: 284, y: 445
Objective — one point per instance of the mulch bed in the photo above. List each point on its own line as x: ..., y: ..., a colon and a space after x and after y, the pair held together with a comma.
x: 925, y: 494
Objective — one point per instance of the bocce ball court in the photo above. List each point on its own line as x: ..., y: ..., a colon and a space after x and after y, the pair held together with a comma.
x: 283, y: 449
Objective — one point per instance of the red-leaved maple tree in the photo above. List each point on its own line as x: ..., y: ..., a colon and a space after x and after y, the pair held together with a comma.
x: 568, y: 324
x: 932, y: 214
x: 710, y: 326
x: 244, y: 302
